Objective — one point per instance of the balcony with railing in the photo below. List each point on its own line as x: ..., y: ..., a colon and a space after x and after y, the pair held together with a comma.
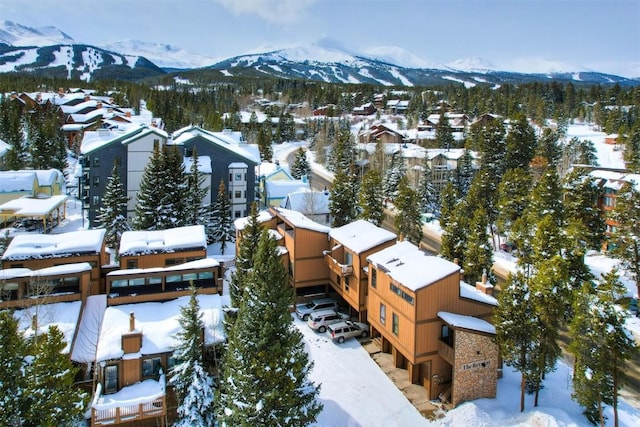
x: 136, y: 402
x: 446, y: 351
x: 343, y: 270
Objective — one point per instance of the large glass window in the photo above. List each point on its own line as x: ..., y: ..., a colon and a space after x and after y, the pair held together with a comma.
x: 396, y: 324
x: 111, y: 378
x: 151, y: 367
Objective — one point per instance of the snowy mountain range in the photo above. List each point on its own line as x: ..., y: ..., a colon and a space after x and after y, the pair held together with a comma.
x: 49, y: 51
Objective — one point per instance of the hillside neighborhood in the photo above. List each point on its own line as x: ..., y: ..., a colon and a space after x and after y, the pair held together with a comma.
x: 111, y: 248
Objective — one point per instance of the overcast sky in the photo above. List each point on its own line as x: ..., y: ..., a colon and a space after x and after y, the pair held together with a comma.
x: 519, y: 35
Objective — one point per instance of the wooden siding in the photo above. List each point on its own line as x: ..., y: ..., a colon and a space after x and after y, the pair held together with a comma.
x: 160, y: 259
x: 131, y: 371
x: 95, y: 260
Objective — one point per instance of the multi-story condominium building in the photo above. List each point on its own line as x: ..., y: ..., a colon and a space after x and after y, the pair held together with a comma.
x: 350, y: 245
x: 434, y: 325
x: 221, y: 158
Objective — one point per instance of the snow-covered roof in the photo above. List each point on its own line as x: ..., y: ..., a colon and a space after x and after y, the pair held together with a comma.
x: 49, y: 176
x: 57, y: 270
x: 470, y: 292
x: 238, y: 165
x: 26, y: 206
x: 298, y: 220
x: 16, y: 181
x: 361, y: 235
x: 93, y: 140
x: 308, y: 202
x: 222, y: 139
x: 263, y: 216
x: 200, y: 263
x: 280, y: 188
x: 64, y: 315
x: 411, y: 267
x: 159, y: 324
x: 204, y: 164
x: 467, y: 322
x: 153, y: 241
x: 25, y: 246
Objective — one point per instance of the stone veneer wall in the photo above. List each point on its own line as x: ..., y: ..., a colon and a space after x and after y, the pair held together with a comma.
x: 474, y: 375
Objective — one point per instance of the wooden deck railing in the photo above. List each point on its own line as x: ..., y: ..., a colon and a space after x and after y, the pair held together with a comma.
x: 446, y: 352
x: 126, y: 413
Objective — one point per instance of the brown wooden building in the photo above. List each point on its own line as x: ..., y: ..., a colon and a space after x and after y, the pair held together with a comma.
x: 350, y: 245
x: 134, y: 352
x: 38, y: 251
x: 407, y: 290
x: 23, y: 287
x: 162, y: 248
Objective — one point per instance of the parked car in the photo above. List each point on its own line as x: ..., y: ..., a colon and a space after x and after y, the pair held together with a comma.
x: 321, y: 319
x: 507, y: 246
x: 304, y: 310
x: 340, y: 331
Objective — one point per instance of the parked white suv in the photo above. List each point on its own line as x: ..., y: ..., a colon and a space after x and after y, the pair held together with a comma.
x: 319, y: 320
x: 340, y: 331
x: 304, y: 310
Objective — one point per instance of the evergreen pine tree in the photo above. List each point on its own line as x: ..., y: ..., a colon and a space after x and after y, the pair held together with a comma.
x: 516, y: 327
x: 513, y: 198
x: 148, y: 199
x: 344, y: 196
x: 192, y: 384
x: 520, y: 144
x: 171, y: 212
x: 12, y: 382
x: 464, y: 173
x: 478, y: 253
x: 601, y: 346
x: 301, y: 165
x: 264, y: 141
x: 455, y: 234
x: 626, y: 238
x: 11, y: 132
x: 264, y: 378
x: 50, y: 395
x: 428, y: 193
x: 250, y: 236
x: 195, y: 194
x: 444, y: 134
x: 395, y: 172
x: 223, y: 230
x: 112, y: 215
x: 632, y: 149
x: 580, y: 193
x: 370, y: 199
x: 545, y: 198
x: 407, y: 221
x: 342, y: 151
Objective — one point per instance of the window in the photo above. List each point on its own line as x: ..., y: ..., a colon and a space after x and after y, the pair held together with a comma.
x: 96, y: 162
x: 174, y: 278
x: 237, y: 214
x: 96, y: 181
x: 151, y: 367
x: 154, y: 280
x: 205, y: 275
x: 238, y: 195
x: 348, y: 258
x: 230, y: 195
x: 96, y: 200
x: 374, y: 277
x: 395, y: 325
x: 111, y: 378
x: 132, y: 263
x: 346, y: 283
x: 173, y: 261
x: 383, y: 314
x: 238, y: 177
x: 398, y: 291
x: 230, y: 177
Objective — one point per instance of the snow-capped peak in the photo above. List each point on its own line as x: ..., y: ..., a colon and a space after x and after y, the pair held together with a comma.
x: 161, y: 54
x: 470, y: 64
x: 19, y: 35
x: 397, y: 55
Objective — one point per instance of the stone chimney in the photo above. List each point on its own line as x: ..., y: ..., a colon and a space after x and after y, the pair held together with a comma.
x: 483, y: 286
